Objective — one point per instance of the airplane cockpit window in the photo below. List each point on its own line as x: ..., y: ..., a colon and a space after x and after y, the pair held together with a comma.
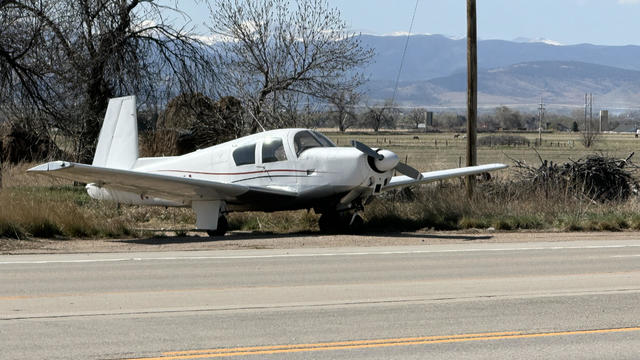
x: 245, y: 154
x: 273, y: 150
x: 303, y: 141
x: 326, y: 142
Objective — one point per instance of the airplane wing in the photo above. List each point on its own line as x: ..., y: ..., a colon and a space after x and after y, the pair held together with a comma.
x: 157, y: 185
x: 401, y: 181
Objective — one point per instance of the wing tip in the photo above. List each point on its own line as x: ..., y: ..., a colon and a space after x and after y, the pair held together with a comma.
x: 50, y: 166
x: 496, y: 166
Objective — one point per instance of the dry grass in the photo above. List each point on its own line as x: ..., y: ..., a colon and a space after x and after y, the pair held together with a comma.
x: 17, y: 176
x: 502, y: 205
x: 43, y: 207
x: 57, y: 212
x: 279, y: 222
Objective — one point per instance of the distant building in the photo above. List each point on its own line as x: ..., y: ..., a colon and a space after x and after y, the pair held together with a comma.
x: 604, y: 120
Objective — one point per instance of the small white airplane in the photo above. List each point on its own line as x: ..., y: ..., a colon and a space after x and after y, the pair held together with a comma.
x: 274, y: 170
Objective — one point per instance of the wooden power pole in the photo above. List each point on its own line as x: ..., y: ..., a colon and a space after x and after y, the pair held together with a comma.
x: 472, y: 91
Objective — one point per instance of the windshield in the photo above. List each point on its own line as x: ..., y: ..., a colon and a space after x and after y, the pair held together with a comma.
x: 326, y: 142
x: 304, y: 140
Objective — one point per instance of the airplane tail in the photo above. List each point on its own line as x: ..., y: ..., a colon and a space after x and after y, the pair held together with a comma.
x: 118, y: 142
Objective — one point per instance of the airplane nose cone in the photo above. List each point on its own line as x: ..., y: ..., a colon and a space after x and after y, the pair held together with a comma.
x: 389, y: 161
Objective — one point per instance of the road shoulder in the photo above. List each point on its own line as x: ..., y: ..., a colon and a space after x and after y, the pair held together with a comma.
x: 238, y: 241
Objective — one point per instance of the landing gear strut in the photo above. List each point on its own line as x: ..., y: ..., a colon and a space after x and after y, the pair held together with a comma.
x: 223, y: 226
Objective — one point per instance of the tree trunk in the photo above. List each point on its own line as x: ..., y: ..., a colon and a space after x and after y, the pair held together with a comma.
x: 1, y: 157
x: 98, y: 94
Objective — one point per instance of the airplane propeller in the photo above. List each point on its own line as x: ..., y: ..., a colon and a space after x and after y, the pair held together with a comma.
x: 385, y: 160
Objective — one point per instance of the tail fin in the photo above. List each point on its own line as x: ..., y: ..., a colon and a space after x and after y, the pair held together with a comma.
x: 118, y: 142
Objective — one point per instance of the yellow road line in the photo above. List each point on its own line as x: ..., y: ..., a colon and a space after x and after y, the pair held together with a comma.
x: 364, y: 344
x: 341, y: 343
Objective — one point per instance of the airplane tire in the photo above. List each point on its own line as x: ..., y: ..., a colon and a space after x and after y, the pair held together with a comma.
x: 357, y: 224
x: 330, y: 223
x: 223, y: 226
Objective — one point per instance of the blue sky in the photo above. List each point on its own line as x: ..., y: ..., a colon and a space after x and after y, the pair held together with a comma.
x: 605, y: 22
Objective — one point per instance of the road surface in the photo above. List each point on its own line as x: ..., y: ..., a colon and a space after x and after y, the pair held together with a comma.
x: 539, y: 300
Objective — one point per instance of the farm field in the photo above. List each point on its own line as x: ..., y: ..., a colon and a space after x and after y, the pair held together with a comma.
x: 432, y: 151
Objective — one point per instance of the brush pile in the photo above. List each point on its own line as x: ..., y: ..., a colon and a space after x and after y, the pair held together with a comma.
x: 596, y: 177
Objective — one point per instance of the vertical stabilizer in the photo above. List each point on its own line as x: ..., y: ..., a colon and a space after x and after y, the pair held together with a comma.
x: 118, y: 142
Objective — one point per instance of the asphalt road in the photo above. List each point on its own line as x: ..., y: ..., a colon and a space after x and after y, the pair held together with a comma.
x: 577, y: 299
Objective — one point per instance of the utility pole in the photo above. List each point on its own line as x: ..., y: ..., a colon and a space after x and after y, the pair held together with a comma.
x: 540, y: 117
x: 472, y: 91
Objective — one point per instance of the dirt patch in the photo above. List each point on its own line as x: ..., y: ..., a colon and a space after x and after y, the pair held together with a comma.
x: 239, y: 240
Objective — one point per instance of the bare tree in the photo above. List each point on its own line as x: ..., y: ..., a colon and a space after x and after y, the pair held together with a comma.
x: 509, y: 119
x: 269, y: 48
x: 587, y: 127
x: 344, y: 102
x: 20, y: 82
x: 417, y: 117
x: 590, y: 134
x: 380, y: 116
x: 82, y: 52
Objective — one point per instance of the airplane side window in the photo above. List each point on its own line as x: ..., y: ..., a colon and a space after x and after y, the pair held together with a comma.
x: 245, y: 155
x: 303, y: 141
x: 273, y: 150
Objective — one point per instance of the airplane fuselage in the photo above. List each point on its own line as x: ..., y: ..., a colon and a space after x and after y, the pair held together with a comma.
x: 321, y: 174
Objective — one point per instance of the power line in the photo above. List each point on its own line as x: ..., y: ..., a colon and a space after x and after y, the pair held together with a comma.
x: 404, y: 51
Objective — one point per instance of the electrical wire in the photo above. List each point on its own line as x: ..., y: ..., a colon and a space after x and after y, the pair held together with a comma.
x: 404, y: 51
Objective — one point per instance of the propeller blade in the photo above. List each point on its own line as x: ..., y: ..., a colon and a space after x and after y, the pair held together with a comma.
x: 367, y: 150
x: 409, y: 171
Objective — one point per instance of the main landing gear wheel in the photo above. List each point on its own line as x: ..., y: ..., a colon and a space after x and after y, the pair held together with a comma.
x: 334, y: 223
x: 329, y: 223
x: 223, y: 226
x: 356, y: 225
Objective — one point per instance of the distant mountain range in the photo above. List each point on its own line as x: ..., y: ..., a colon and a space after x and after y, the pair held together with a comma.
x: 510, y: 72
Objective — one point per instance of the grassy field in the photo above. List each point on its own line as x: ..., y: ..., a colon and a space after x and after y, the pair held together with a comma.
x: 34, y: 206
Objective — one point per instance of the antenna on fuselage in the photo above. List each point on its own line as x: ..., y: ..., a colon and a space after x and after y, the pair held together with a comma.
x: 256, y: 120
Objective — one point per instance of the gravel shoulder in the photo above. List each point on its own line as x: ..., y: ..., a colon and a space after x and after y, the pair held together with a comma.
x: 238, y: 240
